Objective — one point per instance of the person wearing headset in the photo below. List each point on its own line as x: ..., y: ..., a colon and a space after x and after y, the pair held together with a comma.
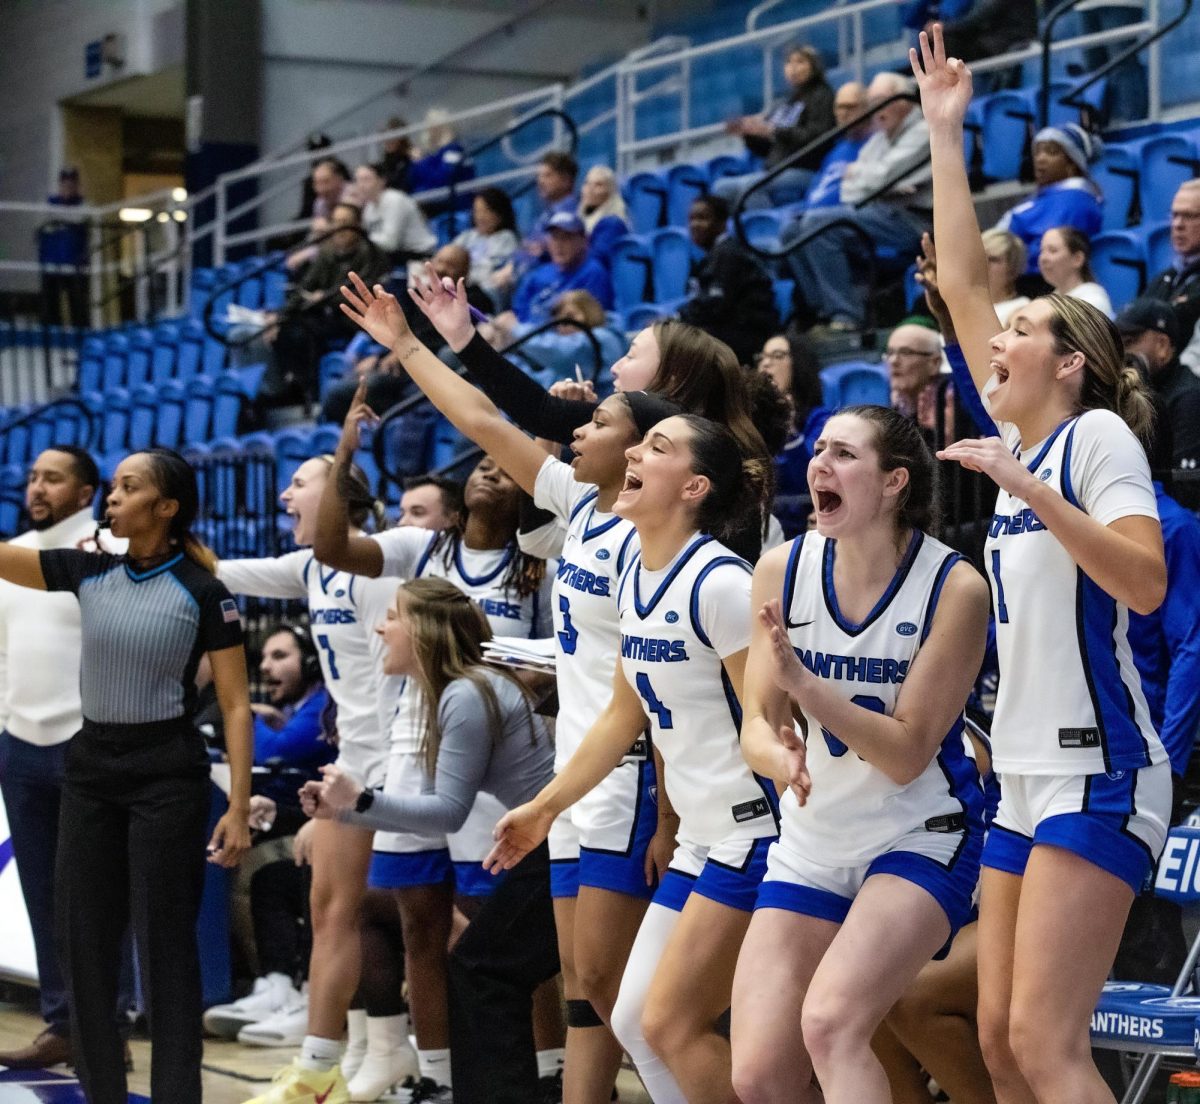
x: 269, y: 897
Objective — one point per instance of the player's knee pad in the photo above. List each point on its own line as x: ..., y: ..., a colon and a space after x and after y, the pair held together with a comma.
x: 580, y: 1013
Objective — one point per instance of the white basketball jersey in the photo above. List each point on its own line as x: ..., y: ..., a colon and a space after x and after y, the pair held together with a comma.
x: 584, y: 603
x: 676, y: 624
x: 344, y: 611
x: 855, y: 812
x: 1070, y: 699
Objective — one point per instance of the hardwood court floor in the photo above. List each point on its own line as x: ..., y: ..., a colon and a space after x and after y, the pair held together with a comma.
x: 232, y: 1073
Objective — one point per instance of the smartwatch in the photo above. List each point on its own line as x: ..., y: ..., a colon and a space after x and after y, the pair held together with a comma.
x: 365, y: 800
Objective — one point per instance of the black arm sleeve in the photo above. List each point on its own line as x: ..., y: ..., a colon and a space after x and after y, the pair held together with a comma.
x: 527, y: 403
x: 66, y: 568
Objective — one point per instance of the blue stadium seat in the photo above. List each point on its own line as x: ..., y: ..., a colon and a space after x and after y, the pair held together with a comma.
x: 70, y: 426
x: 1119, y: 261
x: 1160, y: 254
x: 639, y: 317
x: 729, y: 164
x: 114, y: 428
x: 672, y: 252
x: 168, y: 426
x: 1117, y: 174
x: 166, y: 352
x: 324, y: 439
x: 1007, y: 118
x: 785, y: 296
x: 201, y: 288
x: 685, y: 184
x: 1167, y: 161
x: 631, y: 263
x: 214, y: 356
x: 227, y: 405
x: 291, y: 450
x: 116, y: 356
x: 141, y: 353
x: 763, y: 228
x: 16, y: 440
x: 12, y: 497
x: 250, y: 292
x: 332, y: 367
x: 143, y: 414
x: 197, y: 410
x: 406, y: 442
x: 91, y: 365
x: 191, y: 351
x: 646, y: 197
x: 275, y: 283
x: 41, y: 432
x: 857, y: 381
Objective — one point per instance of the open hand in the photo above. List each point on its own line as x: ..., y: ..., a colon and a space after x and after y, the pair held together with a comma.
x: 374, y: 310
x: 945, y: 83
x: 518, y: 832
x: 991, y: 456
x: 793, y: 763
x: 446, y: 307
x: 791, y: 676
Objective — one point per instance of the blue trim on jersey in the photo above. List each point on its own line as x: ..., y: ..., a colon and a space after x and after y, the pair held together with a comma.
x: 624, y: 549
x: 644, y: 610
x: 1006, y: 850
x: 483, y: 580
x: 952, y: 887
x: 885, y: 599
x: 535, y: 610
x: 423, y: 562
x: 735, y: 886
x: 564, y: 878
x: 324, y: 579
x: 674, y: 890
x: 589, y: 532
x: 149, y: 574
x: 694, y: 604
x: 591, y: 497
x: 965, y: 786
x: 625, y: 871
x: 1047, y: 445
x: 1122, y: 741
x: 806, y: 900
x: 938, y: 582
x: 402, y: 869
x: 307, y: 567
x: 350, y: 591
x: 789, y: 575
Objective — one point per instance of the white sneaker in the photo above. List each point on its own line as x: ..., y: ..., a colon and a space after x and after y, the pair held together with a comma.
x: 390, y: 1058
x: 270, y: 995
x: 356, y: 1042
x: 286, y: 1028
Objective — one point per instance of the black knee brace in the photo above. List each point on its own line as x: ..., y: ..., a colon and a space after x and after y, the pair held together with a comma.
x: 580, y: 1013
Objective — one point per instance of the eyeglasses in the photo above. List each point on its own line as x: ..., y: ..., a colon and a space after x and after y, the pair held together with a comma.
x: 774, y: 354
x: 1185, y: 216
x: 896, y: 354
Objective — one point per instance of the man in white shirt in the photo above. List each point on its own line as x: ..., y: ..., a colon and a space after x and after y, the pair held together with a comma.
x: 40, y: 712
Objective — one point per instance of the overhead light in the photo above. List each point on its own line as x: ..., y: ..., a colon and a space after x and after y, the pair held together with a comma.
x: 179, y: 195
x: 135, y: 214
x: 180, y: 216
x: 162, y: 216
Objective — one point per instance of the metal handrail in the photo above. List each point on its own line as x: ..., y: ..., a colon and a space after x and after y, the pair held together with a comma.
x: 37, y: 412
x: 404, y: 406
x: 1071, y: 97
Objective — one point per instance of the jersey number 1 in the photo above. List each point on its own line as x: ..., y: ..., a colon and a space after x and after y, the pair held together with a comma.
x: 653, y: 705
x: 1001, y: 608
x: 323, y: 640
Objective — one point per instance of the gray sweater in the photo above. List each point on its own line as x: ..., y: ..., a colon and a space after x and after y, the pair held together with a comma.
x: 512, y: 768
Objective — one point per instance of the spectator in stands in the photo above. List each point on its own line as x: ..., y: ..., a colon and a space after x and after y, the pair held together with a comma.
x: 311, y: 318
x: 553, y: 354
x: 40, y: 639
x: 387, y: 382
x: 1065, y: 196
x: 397, y: 156
x: 556, y: 175
x: 444, y: 160
x: 491, y: 241
x: 1065, y: 262
x: 879, y: 195
x: 569, y: 266
x: 431, y: 502
x: 313, y: 143
x: 63, y: 257
x: 789, y: 362
x: 774, y: 135
x: 729, y: 292
x: 1006, y: 262
x: 826, y: 186
x: 913, y: 358
x: 270, y: 888
x: 391, y: 218
x: 1150, y: 329
x: 1179, y: 284
x: 976, y: 30
x: 330, y: 180
x: 603, y: 211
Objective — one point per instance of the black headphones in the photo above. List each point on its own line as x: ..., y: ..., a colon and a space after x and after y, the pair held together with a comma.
x: 310, y: 664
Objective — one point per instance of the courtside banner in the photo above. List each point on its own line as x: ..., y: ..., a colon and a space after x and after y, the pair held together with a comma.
x: 17, y: 959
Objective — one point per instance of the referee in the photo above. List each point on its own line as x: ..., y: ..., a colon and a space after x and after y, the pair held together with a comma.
x: 136, y: 800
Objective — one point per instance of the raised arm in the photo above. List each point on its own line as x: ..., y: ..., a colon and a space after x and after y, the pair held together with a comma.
x: 469, y: 409
x: 935, y: 689
x: 606, y: 744
x: 945, y: 85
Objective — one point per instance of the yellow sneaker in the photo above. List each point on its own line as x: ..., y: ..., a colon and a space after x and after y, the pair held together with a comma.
x: 296, y: 1084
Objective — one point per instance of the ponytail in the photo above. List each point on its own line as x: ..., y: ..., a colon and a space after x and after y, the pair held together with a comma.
x: 1133, y: 401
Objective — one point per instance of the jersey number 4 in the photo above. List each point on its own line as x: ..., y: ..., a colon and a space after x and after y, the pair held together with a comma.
x: 568, y: 635
x: 868, y: 701
x: 653, y: 705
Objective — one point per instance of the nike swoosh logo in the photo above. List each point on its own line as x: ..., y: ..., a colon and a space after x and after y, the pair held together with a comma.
x: 797, y: 624
x: 320, y: 1098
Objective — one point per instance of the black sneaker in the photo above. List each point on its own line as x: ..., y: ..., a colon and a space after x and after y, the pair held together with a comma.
x: 425, y: 1090
x: 550, y: 1088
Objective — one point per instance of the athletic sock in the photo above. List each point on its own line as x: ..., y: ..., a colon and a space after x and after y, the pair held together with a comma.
x: 435, y: 1064
x: 319, y: 1054
x: 550, y: 1061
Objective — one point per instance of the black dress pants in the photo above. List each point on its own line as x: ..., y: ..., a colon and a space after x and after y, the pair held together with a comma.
x: 132, y: 846
x: 507, y: 951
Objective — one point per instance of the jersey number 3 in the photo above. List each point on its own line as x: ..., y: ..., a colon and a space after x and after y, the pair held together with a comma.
x: 653, y: 705
x: 568, y: 635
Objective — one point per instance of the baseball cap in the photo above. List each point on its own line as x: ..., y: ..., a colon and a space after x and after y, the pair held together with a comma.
x: 565, y: 221
x: 1149, y: 314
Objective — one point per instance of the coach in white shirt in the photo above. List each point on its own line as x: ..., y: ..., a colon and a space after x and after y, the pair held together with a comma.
x: 40, y: 712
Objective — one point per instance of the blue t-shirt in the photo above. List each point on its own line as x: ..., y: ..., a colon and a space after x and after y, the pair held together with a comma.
x: 826, y: 187
x: 1072, y: 202
x: 792, y: 506
x: 438, y: 169
x: 536, y: 293
x: 605, y: 234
